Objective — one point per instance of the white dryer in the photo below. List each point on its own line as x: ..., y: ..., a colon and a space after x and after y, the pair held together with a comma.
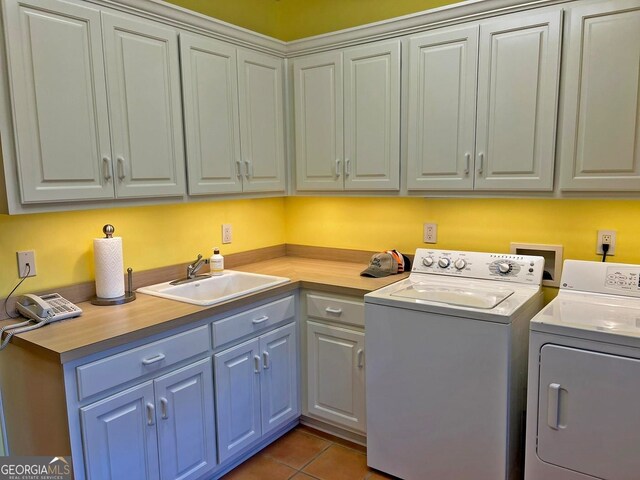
x: 583, y: 406
x: 446, y: 353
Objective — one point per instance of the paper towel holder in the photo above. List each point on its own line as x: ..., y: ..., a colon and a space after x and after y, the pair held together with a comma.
x: 129, y: 294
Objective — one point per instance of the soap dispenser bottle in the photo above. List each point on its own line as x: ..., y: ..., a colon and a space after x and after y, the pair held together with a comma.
x: 217, y: 262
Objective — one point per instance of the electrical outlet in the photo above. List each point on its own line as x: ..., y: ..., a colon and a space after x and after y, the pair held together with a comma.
x: 227, y: 233
x: 430, y: 233
x: 606, y: 236
x: 26, y: 257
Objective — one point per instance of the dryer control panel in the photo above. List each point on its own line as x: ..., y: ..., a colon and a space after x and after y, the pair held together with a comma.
x: 599, y: 277
x: 490, y: 266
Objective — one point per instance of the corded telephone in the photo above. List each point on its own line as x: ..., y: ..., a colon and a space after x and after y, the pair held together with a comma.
x: 51, y: 307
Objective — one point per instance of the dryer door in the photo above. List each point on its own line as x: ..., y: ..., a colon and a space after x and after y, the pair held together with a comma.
x: 588, y: 417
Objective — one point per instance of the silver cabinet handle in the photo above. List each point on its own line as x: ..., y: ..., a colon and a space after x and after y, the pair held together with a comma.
x: 347, y: 167
x: 481, y: 165
x: 360, y: 356
x: 106, y: 168
x: 164, y: 404
x: 265, y: 360
x: 238, y: 168
x: 154, y: 359
x: 333, y: 311
x: 248, y: 168
x: 467, y: 159
x: 553, y: 405
x: 121, y: 174
x: 151, y: 414
x: 256, y: 364
x: 259, y: 320
x: 338, y: 172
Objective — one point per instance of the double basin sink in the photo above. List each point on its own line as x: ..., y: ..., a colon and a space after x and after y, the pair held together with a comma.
x: 214, y: 289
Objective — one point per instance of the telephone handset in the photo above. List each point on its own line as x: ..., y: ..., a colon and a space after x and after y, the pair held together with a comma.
x: 51, y: 307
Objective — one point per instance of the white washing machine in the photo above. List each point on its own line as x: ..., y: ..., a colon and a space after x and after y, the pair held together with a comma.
x: 583, y: 416
x: 446, y: 353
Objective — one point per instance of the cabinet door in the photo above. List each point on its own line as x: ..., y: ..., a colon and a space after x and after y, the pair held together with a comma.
x: 237, y: 380
x: 600, y: 135
x: 518, y: 74
x: 59, y: 101
x: 279, y: 382
x: 335, y: 375
x: 144, y: 99
x: 212, y: 131
x: 119, y: 436
x: 317, y: 84
x: 260, y: 87
x: 442, y: 109
x: 372, y: 117
x: 186, y: 436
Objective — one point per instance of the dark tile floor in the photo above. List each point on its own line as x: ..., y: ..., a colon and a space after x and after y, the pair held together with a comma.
x: 307, y: 454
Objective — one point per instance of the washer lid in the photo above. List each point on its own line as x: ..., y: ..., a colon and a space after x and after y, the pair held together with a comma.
x: 466, y: 297
x: 607, y: 318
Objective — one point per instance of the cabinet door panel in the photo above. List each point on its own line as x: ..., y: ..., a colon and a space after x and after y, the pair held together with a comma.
x: 237, y: 380
x: 60, y: 105
x: 517, y: 101
x: 212, y: 131
x: 372, y: 117
x: 119, y: 436
x: 186, y: 433
x: 279, y: 385
x: 442, y: 109
x: 335, y: 375
x: 144, y: 98
x: 260, y: 84
x: 600, y: 137
x: 317, y: 82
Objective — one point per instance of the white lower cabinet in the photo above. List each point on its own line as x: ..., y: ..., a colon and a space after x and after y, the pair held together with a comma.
x: 335, y: 369
x: 162, y: 428
x: 256, y: 389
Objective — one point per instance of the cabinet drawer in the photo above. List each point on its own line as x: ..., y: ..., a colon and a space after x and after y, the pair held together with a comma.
x: 335, y: 309
x: 111, y: 371
x: 252, y: 321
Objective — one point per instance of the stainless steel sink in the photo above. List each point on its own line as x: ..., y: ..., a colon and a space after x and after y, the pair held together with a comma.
x: 214, y: 289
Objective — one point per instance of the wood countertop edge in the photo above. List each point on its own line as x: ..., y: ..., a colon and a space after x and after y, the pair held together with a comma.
x: 299, y: 271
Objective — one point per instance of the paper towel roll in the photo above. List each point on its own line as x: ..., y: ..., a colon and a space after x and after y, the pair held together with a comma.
x: 107, y: 255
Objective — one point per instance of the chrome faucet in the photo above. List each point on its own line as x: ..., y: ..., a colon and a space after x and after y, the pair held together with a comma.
x: 192, y: 270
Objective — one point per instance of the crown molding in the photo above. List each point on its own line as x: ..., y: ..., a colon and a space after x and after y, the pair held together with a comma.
x: 408, y: 24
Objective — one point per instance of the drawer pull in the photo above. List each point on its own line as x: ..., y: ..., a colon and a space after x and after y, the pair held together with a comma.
x: 265, y: 360
x: 151, y: 360
x: 333, y: 311
x: 151, y: 414
x: 360, y: 356
x: 106, y: 168
x: 256, y: 364
x: 121, y: 174
x: 259, y: 320
x: 164, y: 404
x: 553, y: 405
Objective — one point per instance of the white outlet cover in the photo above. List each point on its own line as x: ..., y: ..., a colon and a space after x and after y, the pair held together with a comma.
x: 612, y: 247
x: 227, y: 233
x: 430, y: 233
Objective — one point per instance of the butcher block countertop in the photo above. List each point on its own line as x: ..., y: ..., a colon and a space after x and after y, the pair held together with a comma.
x: 100, y: 328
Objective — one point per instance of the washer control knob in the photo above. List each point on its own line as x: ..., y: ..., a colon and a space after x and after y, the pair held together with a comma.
x: 460, y: 263
x: 427, y: 261
x: 444, y: 262
x: 504, y: 267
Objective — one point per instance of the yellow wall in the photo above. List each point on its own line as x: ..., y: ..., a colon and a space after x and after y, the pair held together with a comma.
x: 153, y: 237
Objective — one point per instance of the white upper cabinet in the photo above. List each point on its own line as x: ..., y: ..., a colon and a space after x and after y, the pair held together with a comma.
x: 442, y: 109
x: 83, y: 131
x: 260, y: 90
x: 482, y: 105
x: 59, y: 101
x: 347, y: 119
x: 144, y: 97
x: 212, y: 129
x: 600, y: 132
